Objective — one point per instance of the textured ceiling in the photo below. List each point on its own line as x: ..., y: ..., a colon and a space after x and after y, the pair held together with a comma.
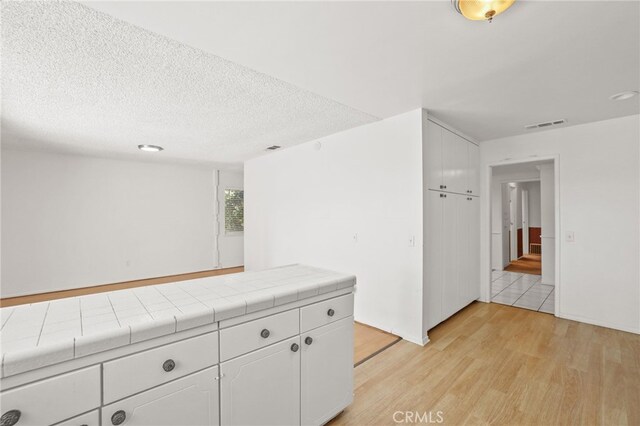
x: 539, y: 61
x: 78, y: 80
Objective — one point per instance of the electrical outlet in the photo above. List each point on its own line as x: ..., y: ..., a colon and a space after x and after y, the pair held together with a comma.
x: 570, y: 237
x: 412, y: 241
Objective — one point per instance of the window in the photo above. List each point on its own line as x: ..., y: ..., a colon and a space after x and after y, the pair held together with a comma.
x: 233, y: 210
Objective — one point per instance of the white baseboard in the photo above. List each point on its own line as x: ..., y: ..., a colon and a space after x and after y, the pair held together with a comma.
x: 599, y: 323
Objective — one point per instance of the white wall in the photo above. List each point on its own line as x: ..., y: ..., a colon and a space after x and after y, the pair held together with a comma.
x: 72, y: 221
x: 352, y: 205
x: 230, y: 245
x: 599, y: 200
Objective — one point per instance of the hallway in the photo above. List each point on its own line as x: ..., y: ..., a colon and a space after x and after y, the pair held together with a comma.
x: 527, y: 264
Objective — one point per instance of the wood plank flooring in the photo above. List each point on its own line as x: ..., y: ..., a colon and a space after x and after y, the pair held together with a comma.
x: 527, y: 264
x: 42, y: 297
x: 370, y: 341
x: 495, y: 364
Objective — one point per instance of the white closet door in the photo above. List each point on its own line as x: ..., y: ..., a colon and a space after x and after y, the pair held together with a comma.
x: 455, y: 162
x: 434, y: 256
x: 462, y: 244
x: 450, y: 253
x: 433, y: 156
x: 473, y: 175
x: 473, y: 256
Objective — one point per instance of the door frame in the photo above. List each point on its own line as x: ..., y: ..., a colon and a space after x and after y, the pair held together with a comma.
x: 485, y: 238
x: 525, y: 221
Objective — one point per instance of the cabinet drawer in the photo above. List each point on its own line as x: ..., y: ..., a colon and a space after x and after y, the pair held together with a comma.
x: 189, y: 401
x: 126, y: 376
x: 252, y: 335
x: 88, y: 419
x: 53, y: 400
x: 325, y: 312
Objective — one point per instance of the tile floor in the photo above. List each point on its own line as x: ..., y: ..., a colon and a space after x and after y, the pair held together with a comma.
x: 522, y: 291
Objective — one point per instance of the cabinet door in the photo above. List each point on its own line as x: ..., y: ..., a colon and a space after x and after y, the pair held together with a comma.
x: 473, y: 247
x: 432, y: 157
x: 434, y: 257
x: 450, y: 301
x: 462, y: 208
x: 190, y: 401
x: 262, y: 387
x: 327, y: 371
x: 455, y: 162
x: 473, y: 175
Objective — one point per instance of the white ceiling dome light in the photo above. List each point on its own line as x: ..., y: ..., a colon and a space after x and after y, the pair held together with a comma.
x: 150, y: 148
x: 624, y: 95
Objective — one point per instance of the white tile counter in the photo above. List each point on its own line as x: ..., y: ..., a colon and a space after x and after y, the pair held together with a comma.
x: 43, y: 334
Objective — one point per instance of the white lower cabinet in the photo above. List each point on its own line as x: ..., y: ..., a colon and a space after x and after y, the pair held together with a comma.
x: 88, y: 419
x: 190, y: 401
x: 327, y: 371
x: 272, y: 374
x: 262, y: 387
x: 52, y: 400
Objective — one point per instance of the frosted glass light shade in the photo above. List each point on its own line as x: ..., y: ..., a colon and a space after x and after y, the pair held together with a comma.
x: 481, y: 10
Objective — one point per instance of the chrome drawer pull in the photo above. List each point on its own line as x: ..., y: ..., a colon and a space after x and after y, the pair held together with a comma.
x: 295, y: 347
x: 308, y: 340
x: 331, y: 312
x: 10, y: 418
x: 265, y: 333
x: 168, y: 365
x: 118, y: 417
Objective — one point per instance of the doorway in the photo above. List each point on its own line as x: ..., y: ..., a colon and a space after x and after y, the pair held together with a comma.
x: 522, y: 213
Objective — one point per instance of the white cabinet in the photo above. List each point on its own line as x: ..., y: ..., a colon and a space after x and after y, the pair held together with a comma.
x: 89, y: 419
x: 157, y: 366
x: 473, y: 171
x: 52, y: 400
x: 452, y: 278
x: 451, y: 163
x: 262, y: 387
x: 454, y: 162
x: 327, y: 371
x: 432, y: 156
x: 190, y: 401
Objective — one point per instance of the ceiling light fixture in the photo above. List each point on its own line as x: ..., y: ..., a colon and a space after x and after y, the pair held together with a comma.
x: 623, y: 95
x: 481, y: 10
x: 150, y: 148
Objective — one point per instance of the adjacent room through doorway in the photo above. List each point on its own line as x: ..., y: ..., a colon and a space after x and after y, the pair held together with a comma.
x: 523, y: 230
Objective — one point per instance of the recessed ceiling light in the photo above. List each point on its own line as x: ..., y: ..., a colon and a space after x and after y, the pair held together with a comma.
x: 623, y: 95
x: 150, y: 148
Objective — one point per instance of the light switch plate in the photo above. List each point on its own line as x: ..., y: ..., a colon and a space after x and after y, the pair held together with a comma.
x: 570, y: 237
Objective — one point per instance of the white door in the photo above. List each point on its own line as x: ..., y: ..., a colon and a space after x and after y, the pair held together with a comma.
x: 433, y: 156
x: 455, y: 162
x: 450, y: 292
x: 461, y: 249
x: 327, y: 371
x: 190, y: 401
x: 434, y: 257
x: 262, y: 387
x: 473, y: 175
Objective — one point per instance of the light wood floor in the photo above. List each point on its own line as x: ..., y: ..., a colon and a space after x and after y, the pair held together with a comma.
x: 495, y: 364
x: 42, y: 297
x: 370, y: 341
x: 527, y: 264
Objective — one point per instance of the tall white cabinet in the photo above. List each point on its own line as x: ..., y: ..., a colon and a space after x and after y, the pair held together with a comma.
x: 451, y: 222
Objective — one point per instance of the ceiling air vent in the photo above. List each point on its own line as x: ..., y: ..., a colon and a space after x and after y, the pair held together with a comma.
x: 545, y: 124
x: 273, y: 147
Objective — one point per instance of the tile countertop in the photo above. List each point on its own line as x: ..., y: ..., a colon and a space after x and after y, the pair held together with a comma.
x: 47, y: 333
